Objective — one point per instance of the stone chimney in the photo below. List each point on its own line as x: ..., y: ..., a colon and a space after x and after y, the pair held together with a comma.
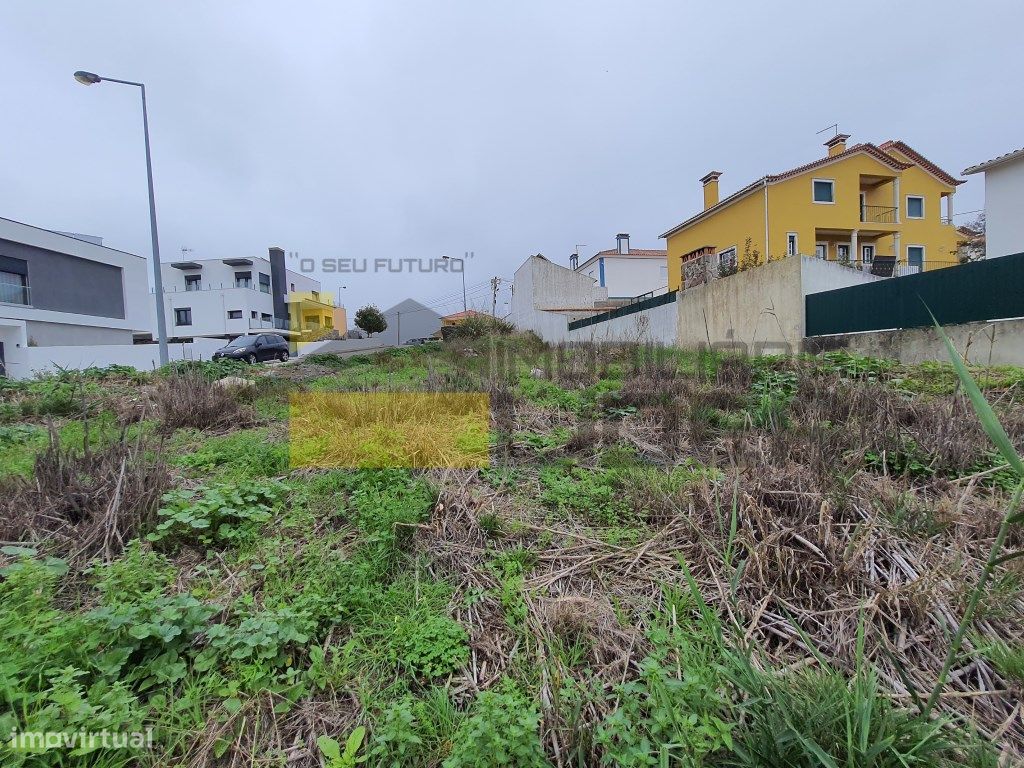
x: 837, y: 144
x: 622, y: 242
x: 710, y: 183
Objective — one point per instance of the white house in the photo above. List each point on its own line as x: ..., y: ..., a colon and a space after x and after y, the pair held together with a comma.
x: 1004, y: 203
x: 626, y: 272
x: 545, y: 296
x: 59, y: 290
x: 224, y: 298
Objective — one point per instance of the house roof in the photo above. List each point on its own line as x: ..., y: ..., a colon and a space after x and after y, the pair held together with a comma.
x: 463, y: 315
x: 869, y: 149
x: 632, y: 253
x: 994, y: 162
x: 922, y: 161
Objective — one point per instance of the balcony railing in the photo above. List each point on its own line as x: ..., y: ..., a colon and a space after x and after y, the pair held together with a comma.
x: 878, y: 214
x: 276, y: 324
x: 879, y: 269
x: 15, y: 294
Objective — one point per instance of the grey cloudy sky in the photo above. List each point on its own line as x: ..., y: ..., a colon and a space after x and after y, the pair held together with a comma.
x: 385, y: 129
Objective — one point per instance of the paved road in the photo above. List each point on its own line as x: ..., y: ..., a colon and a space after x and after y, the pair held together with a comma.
x: 347, y: 348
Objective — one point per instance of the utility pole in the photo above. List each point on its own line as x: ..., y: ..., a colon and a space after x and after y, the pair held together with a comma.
x: 495, y: 283
x: 398, y: 326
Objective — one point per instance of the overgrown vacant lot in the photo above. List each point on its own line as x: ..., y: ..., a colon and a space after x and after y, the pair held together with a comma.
x: 672, y: 559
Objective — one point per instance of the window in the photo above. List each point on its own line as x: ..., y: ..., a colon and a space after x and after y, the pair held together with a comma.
x: 13, y: 288
x: 243, y: 279
x: 292, y: 289
x: 824, y: 190
x: 234, y: 314
x: 253, y: 314
x: 915, y: 207
x: 316, y: 295
x: 821, y: 250
x: 727, y: 258
x: 183, y: 316
x: 915, y: 256
x: 265, y: 317
x: 867, y: 253
x: 843, y: 252
x: 193, y: 282
x: 791, y: 244
x: 264, y: 283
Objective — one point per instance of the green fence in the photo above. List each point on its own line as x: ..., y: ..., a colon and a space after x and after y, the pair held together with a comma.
x: 628, y: 309
x: 992, y: 289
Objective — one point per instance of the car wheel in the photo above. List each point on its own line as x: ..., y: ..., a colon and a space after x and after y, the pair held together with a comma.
x: 284, y: 356
x: 251, y: 359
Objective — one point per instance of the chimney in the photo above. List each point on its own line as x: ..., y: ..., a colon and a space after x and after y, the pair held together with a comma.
x: 622, y: 242
x: 710, y: 183
x: 837, y: 144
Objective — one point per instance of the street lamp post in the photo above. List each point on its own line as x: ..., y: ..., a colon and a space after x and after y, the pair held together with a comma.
x: 88, y: 78
x: 463, y: 270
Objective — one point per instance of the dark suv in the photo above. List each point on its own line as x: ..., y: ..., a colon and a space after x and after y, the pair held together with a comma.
x: 265, y: 346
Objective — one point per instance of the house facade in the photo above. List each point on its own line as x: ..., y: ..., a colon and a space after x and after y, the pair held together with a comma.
x: 626, y: 272
x: 856, y: 205
x: 225, y: 298
x: 1004, y: 203
x: 59, y: 290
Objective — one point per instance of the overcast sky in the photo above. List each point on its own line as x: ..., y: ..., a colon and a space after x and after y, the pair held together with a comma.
x: 384, y: 129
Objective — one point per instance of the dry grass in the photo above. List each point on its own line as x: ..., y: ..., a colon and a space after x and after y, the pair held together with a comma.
x: 85, y: 504
x: 188, y: 400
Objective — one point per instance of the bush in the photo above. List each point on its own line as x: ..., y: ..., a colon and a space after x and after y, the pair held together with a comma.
x: 477, y: 327
x: 191, y: 399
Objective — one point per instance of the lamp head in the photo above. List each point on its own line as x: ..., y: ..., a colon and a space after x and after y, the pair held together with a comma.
x: 87, y: 78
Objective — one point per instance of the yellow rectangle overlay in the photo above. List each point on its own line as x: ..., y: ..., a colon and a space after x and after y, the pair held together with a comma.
x: 370, y: 430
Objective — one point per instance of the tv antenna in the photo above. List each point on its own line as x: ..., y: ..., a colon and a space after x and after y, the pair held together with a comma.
x: 829, y: 128
x: 184, y: 251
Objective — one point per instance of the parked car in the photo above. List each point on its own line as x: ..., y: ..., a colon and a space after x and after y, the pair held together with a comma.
x: 254, y: 348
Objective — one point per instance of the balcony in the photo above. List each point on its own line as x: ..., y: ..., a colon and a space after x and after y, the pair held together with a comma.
x: 276, y: 324
x: 878, y: 214
x: 12, y: 293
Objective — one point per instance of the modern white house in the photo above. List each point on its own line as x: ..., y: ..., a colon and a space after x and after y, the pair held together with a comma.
x: 626, y: 272
x: 1004, y: 203
x: 63, y: 290
x: 224, y: 298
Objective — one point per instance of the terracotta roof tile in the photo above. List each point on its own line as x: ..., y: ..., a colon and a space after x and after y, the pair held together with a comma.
x: 922, y: 161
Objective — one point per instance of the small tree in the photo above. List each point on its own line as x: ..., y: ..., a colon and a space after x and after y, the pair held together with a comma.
x: 371, y: 320
x: 751, y: 257
x: 971, y: 244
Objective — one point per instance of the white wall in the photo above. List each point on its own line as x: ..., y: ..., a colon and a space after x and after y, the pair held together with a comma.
x: 28, y: 361
x: 651, y: 326
x: 818, y: 275
x: 629, y: 276
x: 540, y: 285
x: 1004, y: 209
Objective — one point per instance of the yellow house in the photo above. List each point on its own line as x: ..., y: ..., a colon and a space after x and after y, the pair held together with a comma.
x: 310, y: 313
x: 870, y: 207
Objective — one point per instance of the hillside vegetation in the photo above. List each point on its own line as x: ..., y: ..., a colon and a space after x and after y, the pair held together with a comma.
x: 670, y: 559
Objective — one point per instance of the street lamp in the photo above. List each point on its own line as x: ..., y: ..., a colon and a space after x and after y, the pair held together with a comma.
x: 463, y: 270
x: 88, y: 78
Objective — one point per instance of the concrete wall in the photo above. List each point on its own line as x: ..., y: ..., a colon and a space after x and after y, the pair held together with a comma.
x: 762, y: 308
x: 651, y: 326
x: 65, y: 335
x: 996, y: 343
x: 1004, y: 204
x: 546, y: 296
x: 818, y: 275
x: 25, y: 362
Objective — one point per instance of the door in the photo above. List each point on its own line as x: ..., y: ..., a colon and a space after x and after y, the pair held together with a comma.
x: 843, y: 253
x: 821, y: 250
x: 263, y: 350
x: 867, y: 255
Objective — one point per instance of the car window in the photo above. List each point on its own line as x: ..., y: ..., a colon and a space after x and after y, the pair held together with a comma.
x: 241, y: 341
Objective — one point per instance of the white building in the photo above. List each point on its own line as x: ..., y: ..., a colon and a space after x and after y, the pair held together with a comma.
x: 224, y: 298
x: 1004, y: 203
x: 545, y: 296
x: 58, y: 290
x: 626, y: 272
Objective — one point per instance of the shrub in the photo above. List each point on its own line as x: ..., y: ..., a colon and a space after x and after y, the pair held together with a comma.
x: 504, y: 729
x: 478, y: 327
x: 216, y: 515
x: 190, y: 399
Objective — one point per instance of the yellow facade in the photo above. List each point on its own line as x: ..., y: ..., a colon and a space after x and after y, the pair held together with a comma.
x: 778, y: 215
x: 310, y: 313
